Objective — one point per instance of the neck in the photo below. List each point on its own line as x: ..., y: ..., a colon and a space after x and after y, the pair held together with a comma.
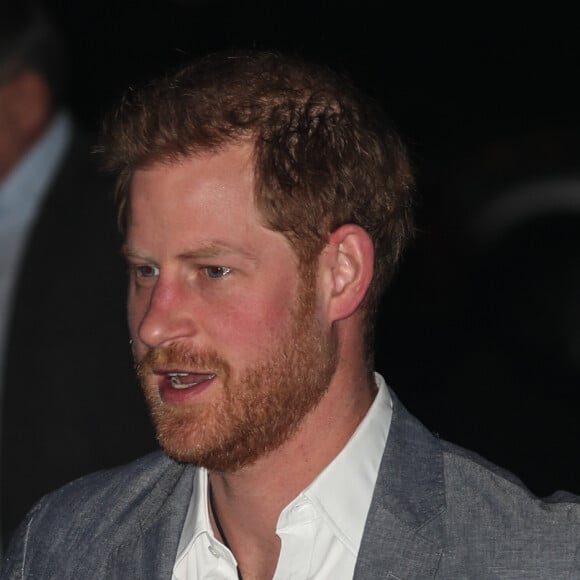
x: 248, y: 501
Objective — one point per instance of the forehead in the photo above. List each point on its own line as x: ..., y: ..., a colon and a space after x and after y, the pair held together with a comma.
x: 197, y: 201
x: 205, y: 182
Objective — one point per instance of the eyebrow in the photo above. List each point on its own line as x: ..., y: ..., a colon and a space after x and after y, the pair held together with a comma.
x: 216, y: 249
x: 128, y: 252
x: 210, y: 250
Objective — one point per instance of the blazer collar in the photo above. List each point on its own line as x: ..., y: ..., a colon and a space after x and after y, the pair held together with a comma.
x: 409, y: 494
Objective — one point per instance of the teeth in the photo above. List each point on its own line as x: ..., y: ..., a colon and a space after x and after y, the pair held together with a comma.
x: 176, y: 383
x: 176, y: 380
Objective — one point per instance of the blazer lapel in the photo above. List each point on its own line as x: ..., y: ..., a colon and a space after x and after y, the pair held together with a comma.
x: 403, y: 536
x: 152, y: 549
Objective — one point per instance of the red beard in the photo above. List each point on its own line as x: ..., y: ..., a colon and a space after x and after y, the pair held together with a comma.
x: 250, y: 413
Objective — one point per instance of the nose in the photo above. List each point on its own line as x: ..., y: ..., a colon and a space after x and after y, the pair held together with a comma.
x: 164, y: 316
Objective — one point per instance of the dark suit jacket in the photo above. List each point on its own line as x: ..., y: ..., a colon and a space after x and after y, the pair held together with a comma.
x: 437, y: 512
x: 71, y: 404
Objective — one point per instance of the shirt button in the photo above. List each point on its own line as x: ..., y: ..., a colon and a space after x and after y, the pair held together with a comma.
x: 213, y: 551
x: 304, y: 509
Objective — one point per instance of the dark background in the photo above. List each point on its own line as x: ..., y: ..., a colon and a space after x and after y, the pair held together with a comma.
x: 480, y: 333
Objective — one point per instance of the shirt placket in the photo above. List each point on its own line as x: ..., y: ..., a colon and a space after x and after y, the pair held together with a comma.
x: 297, y: 533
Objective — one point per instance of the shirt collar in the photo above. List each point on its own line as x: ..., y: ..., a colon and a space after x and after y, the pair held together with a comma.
x: 197, y: 528
x: 342, y: 492
x: 197, y: 518
x: 30, y: 178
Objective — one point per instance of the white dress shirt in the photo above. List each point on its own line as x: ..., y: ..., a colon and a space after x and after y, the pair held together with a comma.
x: 320, y: 530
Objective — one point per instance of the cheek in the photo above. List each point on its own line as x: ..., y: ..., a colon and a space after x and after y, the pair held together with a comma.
x: 257, y: 321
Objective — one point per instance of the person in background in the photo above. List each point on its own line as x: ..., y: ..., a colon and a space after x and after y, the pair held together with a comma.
x: 265, y: 204
x: 63, y: 412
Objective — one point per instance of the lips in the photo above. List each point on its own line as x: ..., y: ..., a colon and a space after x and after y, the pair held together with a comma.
x: 180, y: 386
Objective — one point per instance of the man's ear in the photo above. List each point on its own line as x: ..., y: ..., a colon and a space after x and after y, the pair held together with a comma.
x: 347, y: 261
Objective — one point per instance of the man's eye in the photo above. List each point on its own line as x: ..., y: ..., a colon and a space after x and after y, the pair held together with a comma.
x: 217, y: 271
x: 147, y: 271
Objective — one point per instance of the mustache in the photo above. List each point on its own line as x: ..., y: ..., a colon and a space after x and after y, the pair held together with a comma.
x: 180, y: 357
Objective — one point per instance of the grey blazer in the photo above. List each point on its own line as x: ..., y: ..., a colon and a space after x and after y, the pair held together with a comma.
x: 438, y: 511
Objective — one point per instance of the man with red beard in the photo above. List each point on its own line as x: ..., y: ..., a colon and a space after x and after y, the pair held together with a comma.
x: 265, y: 205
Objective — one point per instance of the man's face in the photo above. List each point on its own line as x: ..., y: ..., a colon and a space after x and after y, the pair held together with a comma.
x: 230, y: 346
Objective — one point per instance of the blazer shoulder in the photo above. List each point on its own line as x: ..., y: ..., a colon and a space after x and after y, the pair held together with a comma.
x: 490, y: 511
x: 109, y: 490
x: 467, y: 471
x: 125, y: 481
x: 443, y: 511
x: 91, y: 516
